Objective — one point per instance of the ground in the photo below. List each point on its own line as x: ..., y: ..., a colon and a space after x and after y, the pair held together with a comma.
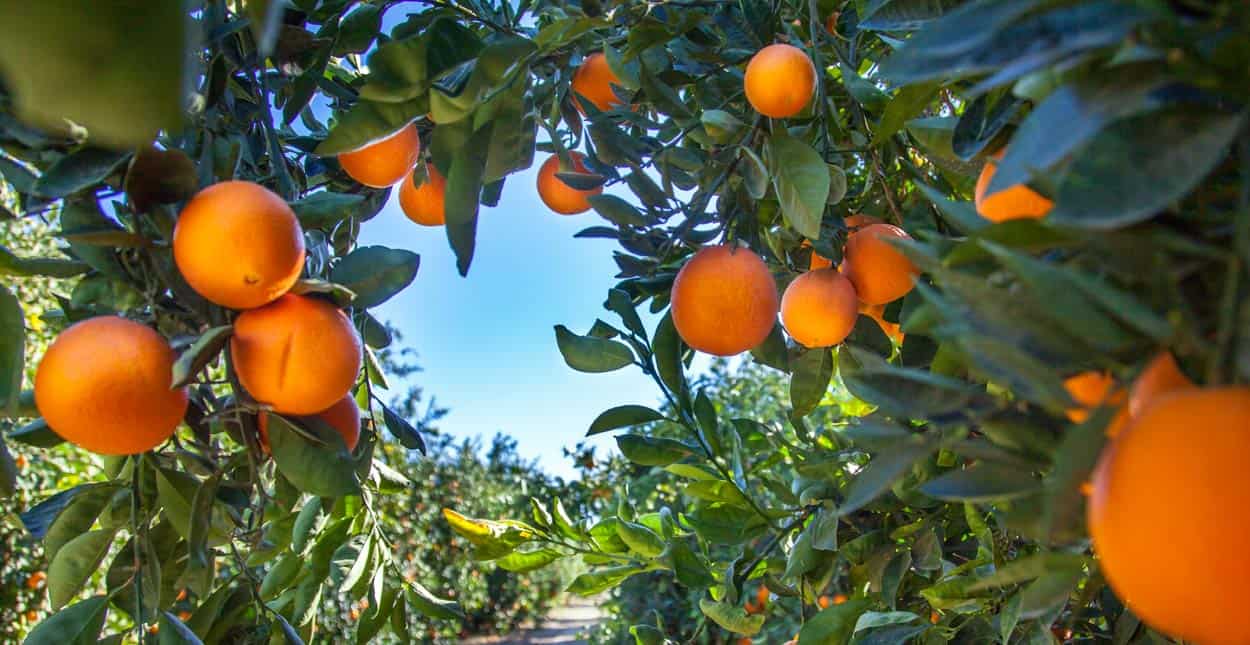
x: 562, y: 626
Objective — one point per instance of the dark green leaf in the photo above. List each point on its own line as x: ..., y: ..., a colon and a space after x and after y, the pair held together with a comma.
x: 652, y: 451
x: 375, y: 273
x: 80, y: 169
x: 12, y: 350
x: 325, y: 209
x: 833, y: 625
x: 174, y: 631
x: 801, y: 180
x: 600, y: 580
x: 74, y: 564
x: 430, y: 605
x: 78, y: 624
x: 623, y: 416
x: 407, y: 435
x: 591, y: 354
x: 810, y: 374
x: 314, y: 459
x: 11, y: 264
x: 981, y: 482
x: 884, y: 469
x: 200, y: 354
x: 464, y: 187
x: 732, y: 617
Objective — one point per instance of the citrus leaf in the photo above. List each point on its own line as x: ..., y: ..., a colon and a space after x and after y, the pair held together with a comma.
x: 314, y: 459
x: 801, y: 179
x: 78, y: 624
x: 591, y: 354
x: 835, y: 624
x: 74, y: 563
x: 652, y: 451
x: 199, y: 354
x: 12, y: 350
x: 375, y: 273
x: 732, y: 617
x: 623, y: 416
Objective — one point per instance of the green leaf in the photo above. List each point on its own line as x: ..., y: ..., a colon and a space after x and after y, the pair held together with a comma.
x: 36, y: 433
x: 77, y: 516
x: 11, y: 264
x: 78, y: 624
x: 427, y: 603
x: 592, y: 354
x: 375, y: 273
x: 200, y: 354
x: 725, y: 523
x: 358, y: 29
x: 75, y: 563
x: 527, y: 561
x: 461, y: 197
x: 174, y: 631
x: 640, y: 539
x: 367, y: 122
x: 884, y: 469
x: 616, y: 210
x: 1173, y: 150
x: 801, y: 180
x: 809, y: 380
x: 12, y: 350
x: 600, y: 580
x: 8, y: 472
x: 667, y: 349
x: 689, y: 567
x: 981, y: 482
x: 324, y: 209
x: 907, y: 103
x: 652, y: 451
x: 80, y: 169
x: 833, y: 625
x: 280, y: 576
x: 399, y: 427
x: 314, y: 459
x: 731, y: 617
x: 52, y: 68
x: 754, y: 173
x: 901, y: 391
x: 1030, y: 567
x: 623, y: 416
x: 620, y: 303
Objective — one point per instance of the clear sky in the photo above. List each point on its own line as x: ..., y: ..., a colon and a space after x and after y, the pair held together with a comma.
x: 486, y: 341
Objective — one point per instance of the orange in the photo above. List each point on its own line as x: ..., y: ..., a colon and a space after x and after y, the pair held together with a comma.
x: 386, y: 161
x: 103, y: 385
x: 761, y: 596
x: 238, y: 244
x: 879, y: 271
x: 831, y: 23
x: 780, y: 81
x: 824, y: 602
x: 343, y: 416
x: 839, y: 598
x: 817, y: 261
x: 1167, y: 515
x: 36, y: 580
x: 32, y: 616
x: 818, y: 309
x: 559, y: 196
x: 1161, y: 376
x: 594, y: 80
x: 724, y: 301
x: 935, y: 617
x: 1090, y: 390
x: 751, y: 608
x: 298, y: 354
x: 877, y: 313
x: 1015, y: 202
x: 424, y: 204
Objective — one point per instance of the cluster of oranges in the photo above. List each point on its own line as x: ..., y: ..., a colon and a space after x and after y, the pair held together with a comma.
x: 724, y: 300
x: 104, y: 383
x: 1171, y: 480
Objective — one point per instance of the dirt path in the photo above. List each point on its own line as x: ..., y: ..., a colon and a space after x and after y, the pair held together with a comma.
x: 561, y: 627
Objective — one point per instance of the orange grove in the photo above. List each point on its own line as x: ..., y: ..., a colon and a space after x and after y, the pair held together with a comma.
x: 343, y: 416
x: 780, y: 81
x: 386, y: 161
x: 594, y: 80
x: 559, y: 196
x: 424, y: 204
x: 299, y: 354
x: 238, y: 244
x: 1015, y: 202
x: 724, y: 301
x: 879, y: 271
x: 1090, y: 390
x: 1166, y: 515
x: 103, y: 384
x: 818, y: 309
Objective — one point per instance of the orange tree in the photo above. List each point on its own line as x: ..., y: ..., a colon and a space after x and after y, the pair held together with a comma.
x: 1061, y: 192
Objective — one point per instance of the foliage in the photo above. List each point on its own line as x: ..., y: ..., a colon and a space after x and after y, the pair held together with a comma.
x: 947, y: 505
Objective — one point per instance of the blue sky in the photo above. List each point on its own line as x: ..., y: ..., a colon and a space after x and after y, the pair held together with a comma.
x: 486, y: 342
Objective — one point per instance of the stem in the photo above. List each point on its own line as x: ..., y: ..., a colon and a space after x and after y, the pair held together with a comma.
x: 741, y: 576
x: 135, y: 502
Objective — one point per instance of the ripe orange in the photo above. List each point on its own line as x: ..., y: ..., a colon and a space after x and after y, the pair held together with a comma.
x: 839, y: 598
x: 831, y: 23
x: 1161, y: 376
x: 424, y: 205
x: 1016, y: 202
x: 32, y: 616
x: 751, y: 608
x: 238, y: 244
x: 1091, y: 390
x: 935, y: 617
x: 386, y: 161
x: 594, y: 80
x: 818, y: 309
x: 103, y: 385
x: 780, y: 81
x: 20, y: 461
x: 761, y: 596
x: 724, y: 301
x: 298, y: 354
x: 879, y: 271
x: 1167, y: 515
x: 824, y: 602
x: 559, y: 196
x: 343, y: 416
x: 36, y: 580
